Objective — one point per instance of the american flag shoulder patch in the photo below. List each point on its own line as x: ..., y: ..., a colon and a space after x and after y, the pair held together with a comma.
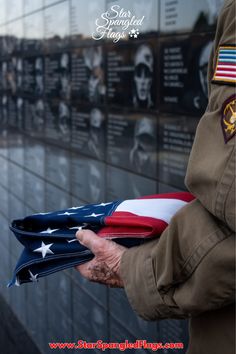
x: 225, y: 70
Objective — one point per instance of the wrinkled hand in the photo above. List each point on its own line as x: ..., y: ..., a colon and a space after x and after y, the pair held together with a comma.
x: 104, y: 268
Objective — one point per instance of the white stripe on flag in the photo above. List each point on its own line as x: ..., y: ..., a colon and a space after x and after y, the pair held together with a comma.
x: 225, y: 72
x: 220, y: 66
x: 225, y: 78
x: 225, y: 60
x: 228, y: 55
x: 162, y: 209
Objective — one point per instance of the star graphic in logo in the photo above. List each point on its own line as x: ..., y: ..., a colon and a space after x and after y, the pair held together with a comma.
x: 133, y: 33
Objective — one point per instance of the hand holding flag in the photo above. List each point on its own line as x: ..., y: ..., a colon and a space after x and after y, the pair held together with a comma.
x: 50, y: 244
x: 104, y: 268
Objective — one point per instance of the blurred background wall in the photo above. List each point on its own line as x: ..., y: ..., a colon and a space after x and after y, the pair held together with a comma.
x: 85, y: 120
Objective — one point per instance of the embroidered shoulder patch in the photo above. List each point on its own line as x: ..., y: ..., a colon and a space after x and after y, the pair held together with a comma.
x: 228, y: 120
x: 225, y: 70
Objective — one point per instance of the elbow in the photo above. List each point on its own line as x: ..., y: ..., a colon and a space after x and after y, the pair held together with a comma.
x: 230, y: 208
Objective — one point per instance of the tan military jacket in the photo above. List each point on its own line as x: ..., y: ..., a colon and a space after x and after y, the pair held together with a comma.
x: 190, y: 271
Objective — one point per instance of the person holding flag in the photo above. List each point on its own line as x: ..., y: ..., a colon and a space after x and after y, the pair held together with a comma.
x: 189, y: 272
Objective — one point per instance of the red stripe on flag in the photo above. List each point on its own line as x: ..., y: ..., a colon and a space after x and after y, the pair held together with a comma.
x: 184, y: 196
x: 226, y: 63
x: 226, y: 69
x: 124, y: 224
x: 225, y: 75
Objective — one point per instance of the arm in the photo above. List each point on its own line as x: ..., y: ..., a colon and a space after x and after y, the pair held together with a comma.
x: 188, y: 271
x: 191, y: 268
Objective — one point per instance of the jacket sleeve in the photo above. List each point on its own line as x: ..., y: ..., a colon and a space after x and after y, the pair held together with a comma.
x: 190, y: 269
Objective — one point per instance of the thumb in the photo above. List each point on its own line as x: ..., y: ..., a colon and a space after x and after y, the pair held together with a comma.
x: 90, y: 240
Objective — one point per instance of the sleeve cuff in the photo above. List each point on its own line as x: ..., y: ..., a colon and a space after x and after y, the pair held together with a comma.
x: 137, y: 273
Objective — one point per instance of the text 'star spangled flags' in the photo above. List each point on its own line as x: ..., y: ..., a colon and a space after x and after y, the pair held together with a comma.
x: 49, y: 238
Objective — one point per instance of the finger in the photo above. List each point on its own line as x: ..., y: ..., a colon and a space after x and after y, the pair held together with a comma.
x: 90, y: 240
x: 83, y: 269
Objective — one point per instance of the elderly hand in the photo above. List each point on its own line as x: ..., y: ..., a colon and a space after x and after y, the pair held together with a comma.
x: 104, y: 268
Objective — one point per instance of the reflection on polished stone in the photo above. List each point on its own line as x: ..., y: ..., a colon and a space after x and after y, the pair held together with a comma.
x: 122, y: 184
x: 176, y: 136
x: 33, y: 31
x: 202, y: 15
x: 183, y: 73
x: 56, y: 35
x: 88, y: 179
x: 132, y: 142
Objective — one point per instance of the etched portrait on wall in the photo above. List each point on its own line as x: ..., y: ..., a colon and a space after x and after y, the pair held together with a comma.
x: 93, y: 60
x: 143, y: 76
x: 143, y: 153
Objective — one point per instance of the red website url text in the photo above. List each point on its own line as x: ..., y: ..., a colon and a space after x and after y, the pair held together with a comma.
x: 122, y: 346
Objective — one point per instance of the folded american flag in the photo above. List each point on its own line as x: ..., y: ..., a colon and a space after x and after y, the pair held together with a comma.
x: 49, y: 239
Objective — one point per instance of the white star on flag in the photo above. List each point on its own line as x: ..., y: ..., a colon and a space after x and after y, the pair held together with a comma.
x: 48, y: 231
x: 66, y: 213
x: 93, y: 215
x: 76, y: 228
x: 132, y: 31
x: 74, y: 208
x: 102, y: 204
x: 73, y: 240
x: 44, y: 249
x: 33, y: 277
x: 17, y: 282
x: 42, y: 213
